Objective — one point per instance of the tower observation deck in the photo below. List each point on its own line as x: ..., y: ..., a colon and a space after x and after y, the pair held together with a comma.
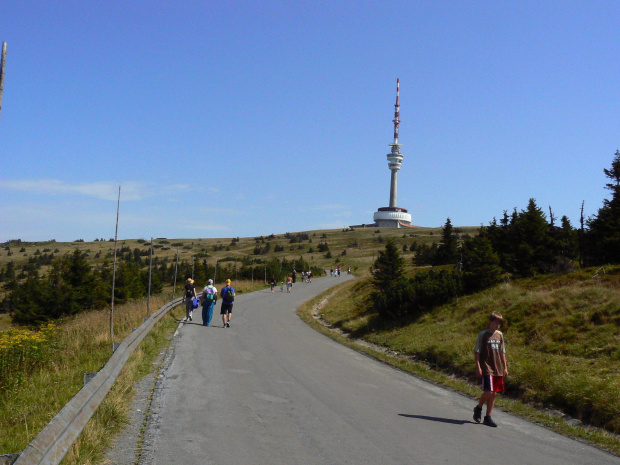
x: 394, y: 216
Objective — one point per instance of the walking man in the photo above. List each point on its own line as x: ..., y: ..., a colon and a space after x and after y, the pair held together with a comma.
x: 228, y: 297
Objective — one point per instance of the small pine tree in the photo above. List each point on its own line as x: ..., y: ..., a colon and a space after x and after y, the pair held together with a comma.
x: 447, y: 252
x: 480, y: 264
x: 389, y: 266
x: 603, y: 235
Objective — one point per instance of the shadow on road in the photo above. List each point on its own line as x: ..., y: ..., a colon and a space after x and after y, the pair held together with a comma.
x: 441, y: 420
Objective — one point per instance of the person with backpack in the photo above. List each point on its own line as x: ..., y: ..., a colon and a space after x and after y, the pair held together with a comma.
x: 209, y: 298
x: 188, y: 297
x: 228, y: 296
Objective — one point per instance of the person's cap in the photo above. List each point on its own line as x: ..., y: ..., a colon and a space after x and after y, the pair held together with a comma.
x: 210, y: 281
x: 190, y: 280
x: 228, y: 281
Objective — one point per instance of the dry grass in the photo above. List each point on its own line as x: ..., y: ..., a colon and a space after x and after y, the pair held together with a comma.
x: 82, y: 345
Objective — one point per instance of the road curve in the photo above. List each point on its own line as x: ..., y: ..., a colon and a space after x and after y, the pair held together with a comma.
x: 270, y: 390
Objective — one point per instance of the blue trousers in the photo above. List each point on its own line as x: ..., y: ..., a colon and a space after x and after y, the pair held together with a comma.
x: 207, y: 313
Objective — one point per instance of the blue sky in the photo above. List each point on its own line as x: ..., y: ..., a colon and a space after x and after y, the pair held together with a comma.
x: 246, y: 118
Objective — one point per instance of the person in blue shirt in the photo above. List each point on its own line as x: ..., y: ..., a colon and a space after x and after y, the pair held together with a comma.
x: 228, y: 296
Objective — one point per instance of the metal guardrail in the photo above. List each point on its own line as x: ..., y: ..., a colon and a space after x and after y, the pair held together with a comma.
x: 53, y: 442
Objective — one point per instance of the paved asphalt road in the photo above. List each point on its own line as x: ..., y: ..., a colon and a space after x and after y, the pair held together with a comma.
x: 270, y: 390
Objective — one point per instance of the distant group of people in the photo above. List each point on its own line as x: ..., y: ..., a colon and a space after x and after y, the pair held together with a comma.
x: 336, y: 271
x: 306, y: 277
x: 207, y: 300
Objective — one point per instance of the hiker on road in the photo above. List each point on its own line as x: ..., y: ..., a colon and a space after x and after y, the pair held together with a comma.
x: 228, y: 296
x: 490, y: 354
x: 189, y: 296
x: 208, y: 300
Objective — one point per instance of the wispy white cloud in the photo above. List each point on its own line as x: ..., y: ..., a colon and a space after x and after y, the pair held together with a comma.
x: 208, y: 227
x: 104, y: 190
x: 321, y: 208
x: 209, y: 209
x: 342, y: 214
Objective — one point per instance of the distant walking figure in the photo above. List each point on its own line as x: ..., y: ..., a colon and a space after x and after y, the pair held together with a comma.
x: 289, y: 284
x: 273, y: 283
x: 209, y: 299
x: 189, y: 296
x: 228, y: 296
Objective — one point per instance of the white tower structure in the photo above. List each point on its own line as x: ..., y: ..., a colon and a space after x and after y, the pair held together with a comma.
x: 394, y: 216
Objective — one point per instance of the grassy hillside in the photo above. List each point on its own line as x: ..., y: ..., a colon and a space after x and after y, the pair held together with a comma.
x: 563, y: 343
x: 355, y: 248
x: 360, y: 245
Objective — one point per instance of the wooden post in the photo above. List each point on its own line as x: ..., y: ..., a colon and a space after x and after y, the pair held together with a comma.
x: 176, y: 269
x: 582, y: 259
x: 148, y: 299
x: 118, y: 207
x: 2, y: 72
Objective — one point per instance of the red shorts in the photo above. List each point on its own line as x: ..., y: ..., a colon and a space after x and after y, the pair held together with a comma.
x: 492, y: 383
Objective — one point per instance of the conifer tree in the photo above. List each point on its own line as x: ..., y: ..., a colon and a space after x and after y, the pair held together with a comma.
x: 447, y: 251
x: 389, y: 267
x: 481, y: 268
x: 603, y: 235
x: 532, y: 245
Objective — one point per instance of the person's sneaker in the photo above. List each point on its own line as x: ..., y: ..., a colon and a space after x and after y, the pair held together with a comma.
x: 228, y: 325
x: 489, y: 422
x: 477, y: 414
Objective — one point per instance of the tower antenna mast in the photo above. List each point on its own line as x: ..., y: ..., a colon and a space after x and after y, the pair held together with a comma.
x: 397, y: 111
x: 2, y: 60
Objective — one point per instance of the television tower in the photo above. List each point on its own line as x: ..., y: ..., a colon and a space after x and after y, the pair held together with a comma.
x: 394, y: 216
x: 395, y: 158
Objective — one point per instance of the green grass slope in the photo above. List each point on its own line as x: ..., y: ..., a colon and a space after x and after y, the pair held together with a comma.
x: 562, y: 336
